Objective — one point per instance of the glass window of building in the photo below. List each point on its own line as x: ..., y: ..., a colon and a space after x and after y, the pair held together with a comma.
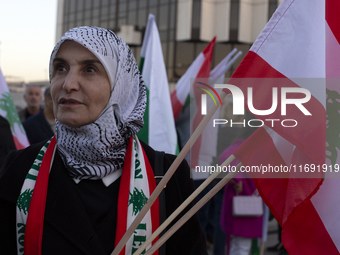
x: 88, y: 4
x: 163, y: 17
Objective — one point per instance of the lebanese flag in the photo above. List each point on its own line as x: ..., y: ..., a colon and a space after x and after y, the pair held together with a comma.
x: 301, y: 40
x: 181, y: 100
x: 159, y: 126
x: 8, y: 111
x: 204, y: 155
x: 200, y: 68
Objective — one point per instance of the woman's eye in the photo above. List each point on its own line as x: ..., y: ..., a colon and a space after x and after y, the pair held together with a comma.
x: 90, y: 69
x: 60, y: 68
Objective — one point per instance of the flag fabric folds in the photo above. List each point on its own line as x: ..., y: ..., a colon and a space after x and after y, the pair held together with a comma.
x: 204, y: 151
x: 295, y: 47
x: 186, y: 106
x: 159, y: 127
x: 200, y: 68
x: 181, y: 99
x: 8, y: 111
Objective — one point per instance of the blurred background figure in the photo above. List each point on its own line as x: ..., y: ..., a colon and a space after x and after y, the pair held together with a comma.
x: 6, y: 138
x: 33, y: 98
x: 239, y: 230
x: 41, y: 126
x: 278, y: 248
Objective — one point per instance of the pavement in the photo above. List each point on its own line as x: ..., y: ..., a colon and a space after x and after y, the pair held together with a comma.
x: 272, y: 238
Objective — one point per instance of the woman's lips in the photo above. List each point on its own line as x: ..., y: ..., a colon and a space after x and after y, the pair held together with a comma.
x: 66, y: 101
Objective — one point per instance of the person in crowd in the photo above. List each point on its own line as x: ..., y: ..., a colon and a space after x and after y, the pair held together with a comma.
x: 41, y: 126
x: 76, y: 193
x: 33, y: 98
x: 6, y: 138
x: 239, y: 230
x: 278, y: 248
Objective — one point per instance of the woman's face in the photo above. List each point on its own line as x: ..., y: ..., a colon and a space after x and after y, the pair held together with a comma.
x: 80, y: 87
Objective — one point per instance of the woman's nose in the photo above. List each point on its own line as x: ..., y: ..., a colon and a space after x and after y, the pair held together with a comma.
x: 71, y: 82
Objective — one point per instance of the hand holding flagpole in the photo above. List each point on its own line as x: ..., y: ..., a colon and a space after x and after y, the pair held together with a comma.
x: 182, y: 206
x: 167, y: 177
x: 194, y: 209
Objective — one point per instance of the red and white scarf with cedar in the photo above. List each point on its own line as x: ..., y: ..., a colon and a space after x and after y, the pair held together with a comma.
x: 136, y: 185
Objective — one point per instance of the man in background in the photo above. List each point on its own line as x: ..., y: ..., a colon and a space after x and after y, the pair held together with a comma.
x: 41, y: 126
x: 33, y: 98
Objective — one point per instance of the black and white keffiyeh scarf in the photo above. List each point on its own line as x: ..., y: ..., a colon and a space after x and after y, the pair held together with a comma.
x: 95, y: 150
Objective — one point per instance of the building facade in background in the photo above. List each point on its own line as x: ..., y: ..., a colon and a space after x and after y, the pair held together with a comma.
x: 185, y: 26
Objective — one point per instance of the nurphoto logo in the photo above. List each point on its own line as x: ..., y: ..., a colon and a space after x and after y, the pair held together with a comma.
x: 238, y: 102
x: 204, y: 97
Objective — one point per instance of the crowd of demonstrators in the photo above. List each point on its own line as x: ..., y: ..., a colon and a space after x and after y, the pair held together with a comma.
x: 99, y: 100
x: 33, y: 97
x: 41, y: 126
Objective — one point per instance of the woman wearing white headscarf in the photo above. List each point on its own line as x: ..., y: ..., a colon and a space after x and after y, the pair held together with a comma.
x: 77, y: 193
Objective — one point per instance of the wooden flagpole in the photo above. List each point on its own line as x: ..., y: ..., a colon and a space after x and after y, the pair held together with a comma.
x: 182, y: 206
x: 192, y: 211
x: 167, y: 177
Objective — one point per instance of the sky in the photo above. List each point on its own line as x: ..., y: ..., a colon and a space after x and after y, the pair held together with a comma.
x: 27, y: 37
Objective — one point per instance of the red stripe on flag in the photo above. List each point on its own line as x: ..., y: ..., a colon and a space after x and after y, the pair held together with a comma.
x: 176, y: 104
x: 332, y: 44
x: 208, y: 52
x: 36, y: 213
x: 289, y: 198
x: 17, y: 143
x: 155, y: 206
x: 204, y: 72
x: 332, y: 17
x: 257, y: 145
x: 251, y: 153
x: 123, y: 198
x: 304, y: 227
x: 253, y: 66
x: 309, y: 132
x: 281, y: 194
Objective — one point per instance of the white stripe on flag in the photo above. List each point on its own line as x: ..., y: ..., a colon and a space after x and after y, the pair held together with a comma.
x: 161, y: 126
x: 183, y: 84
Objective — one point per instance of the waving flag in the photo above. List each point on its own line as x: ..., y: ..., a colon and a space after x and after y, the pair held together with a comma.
x: 181, y: 102
x: 200, y: 68
x: 180, y: 97
x: 159, y: 127
x: 204, y: 155
x: 300, y: 41
x: 8, y: 111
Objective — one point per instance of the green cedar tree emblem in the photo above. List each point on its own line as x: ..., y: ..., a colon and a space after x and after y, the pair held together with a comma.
x: 7, y: 105
x: 138, y: 200
x: 24, y: 200
x: 332, y: 126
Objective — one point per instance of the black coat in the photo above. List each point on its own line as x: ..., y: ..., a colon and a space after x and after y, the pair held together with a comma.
x: 6, y: 140
x: 37, y: 128
x: 68, y: 229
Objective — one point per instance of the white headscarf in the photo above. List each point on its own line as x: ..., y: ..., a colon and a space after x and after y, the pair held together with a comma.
x: 97, y: 149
